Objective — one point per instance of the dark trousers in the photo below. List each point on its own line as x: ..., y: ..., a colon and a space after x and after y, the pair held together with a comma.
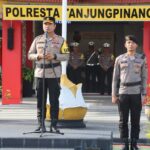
x: 52, y: 86
x: 75, y: 75
x: 129, y: 104
x: 103, y: 76
x: 91, y: 74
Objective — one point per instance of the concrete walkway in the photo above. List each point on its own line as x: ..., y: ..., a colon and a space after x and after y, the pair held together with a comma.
x: 101, y: 119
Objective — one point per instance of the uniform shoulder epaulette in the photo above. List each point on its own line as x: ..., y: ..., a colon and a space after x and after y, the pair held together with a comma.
x: 60, y: 37
x: 121, y: 56
x: 39, y: 36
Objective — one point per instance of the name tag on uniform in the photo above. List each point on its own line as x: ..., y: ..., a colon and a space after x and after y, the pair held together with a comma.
x: 123, y: 65
x: 137, y: 67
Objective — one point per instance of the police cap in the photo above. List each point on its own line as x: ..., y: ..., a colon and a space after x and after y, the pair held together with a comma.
x: 49, y: 20
x: 132, y: 38
x: 106, y: 45
x: 74, y: 44
x: 91, y: 43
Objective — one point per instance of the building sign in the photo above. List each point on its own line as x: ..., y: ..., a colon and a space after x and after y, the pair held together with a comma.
x: 78, y: 13
x: 1, y: 3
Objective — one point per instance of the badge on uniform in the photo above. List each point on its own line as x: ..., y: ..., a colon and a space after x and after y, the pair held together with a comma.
x: 64, y: 48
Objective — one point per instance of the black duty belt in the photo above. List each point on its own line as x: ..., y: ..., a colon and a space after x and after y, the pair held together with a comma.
x: 47, y: 65
x: 131, y: 83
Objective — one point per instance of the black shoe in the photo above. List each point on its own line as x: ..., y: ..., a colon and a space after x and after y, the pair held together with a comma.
x: 125, y: 144
x: 134, y: 147
x: 125, y: 147
x: 134, y: 144
x: 43, y: 129
x: 40, y: 129
x: 54, y: 129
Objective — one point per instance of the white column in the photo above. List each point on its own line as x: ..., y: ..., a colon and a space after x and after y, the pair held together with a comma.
x: 64, y: 30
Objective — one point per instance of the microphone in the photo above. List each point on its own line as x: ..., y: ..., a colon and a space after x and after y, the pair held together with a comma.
x: 46, y: 35
x: 46, y: 38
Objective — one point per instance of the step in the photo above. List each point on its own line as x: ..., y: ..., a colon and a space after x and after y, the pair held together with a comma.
x: 37, y: 148
x: 79, y: 141
x: 96, y: 97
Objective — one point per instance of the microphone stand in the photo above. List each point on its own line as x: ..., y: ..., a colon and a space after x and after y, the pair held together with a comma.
x: 43, y: 86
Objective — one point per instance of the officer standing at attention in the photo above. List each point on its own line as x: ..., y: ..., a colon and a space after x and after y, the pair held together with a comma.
x: 91, y: 67
x: 106, y: 61
x: 130, y: 71
x: 75, y: 64
x: 55, y: 51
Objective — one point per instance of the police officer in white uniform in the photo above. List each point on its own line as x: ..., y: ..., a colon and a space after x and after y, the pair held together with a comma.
x: 92, y: 68
x: 56, y: 50
x: 129, y: 90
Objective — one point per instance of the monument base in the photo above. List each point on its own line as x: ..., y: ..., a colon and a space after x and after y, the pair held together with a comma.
x: 71, y: 124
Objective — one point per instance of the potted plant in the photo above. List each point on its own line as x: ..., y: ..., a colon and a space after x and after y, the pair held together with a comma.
x: 28, y: 75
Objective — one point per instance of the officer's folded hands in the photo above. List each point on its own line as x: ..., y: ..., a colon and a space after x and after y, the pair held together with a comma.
x: 48, y: 56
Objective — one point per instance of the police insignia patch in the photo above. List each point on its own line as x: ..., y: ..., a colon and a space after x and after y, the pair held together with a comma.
x: 64, y: 48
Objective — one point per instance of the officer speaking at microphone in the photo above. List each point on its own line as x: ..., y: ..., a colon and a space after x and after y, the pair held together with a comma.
x: 56, y: 50
x: 129, y: 91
